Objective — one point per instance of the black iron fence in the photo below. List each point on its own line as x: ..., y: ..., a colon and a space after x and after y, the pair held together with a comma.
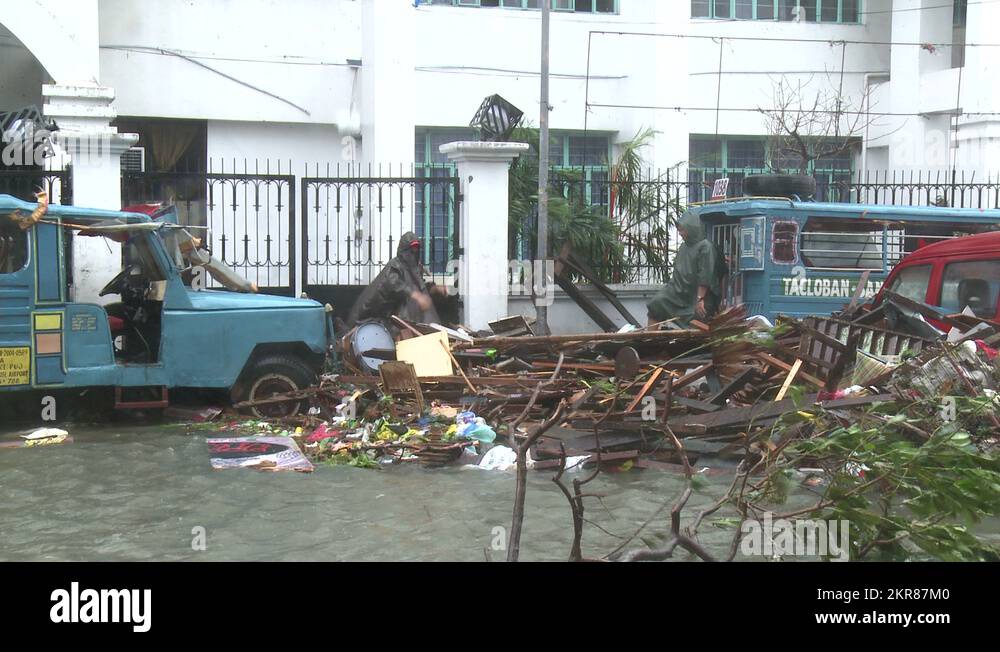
x: 641, y: 211
x: 24, y: 183
x: 334, y: 227
x: 246, y: 219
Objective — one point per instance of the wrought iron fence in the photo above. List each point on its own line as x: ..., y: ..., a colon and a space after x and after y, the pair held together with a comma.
x: 246, y: 219
x: 621, y: 230
x: 654, y: 201
x: 24, y: 183
x: 353, y: 221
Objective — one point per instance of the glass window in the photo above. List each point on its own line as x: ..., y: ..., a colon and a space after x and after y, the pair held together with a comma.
x: 783, y: 239
x: 828, y: 13
x: 579, y: 6
x: 588, y: 150
x: 831, y: 11
x: 13, y: 247
x: 745, y: 153
x: 842, y: 244
x: 851, y: 13
x: 788, y: 9
x: 700, y: 9
x: 705, y: 153
x: 912, y: 282
x: 974, y: 284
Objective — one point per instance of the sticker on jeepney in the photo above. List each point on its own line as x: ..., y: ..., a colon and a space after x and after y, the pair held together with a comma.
x: 15, y: 366
x: 826, y: 288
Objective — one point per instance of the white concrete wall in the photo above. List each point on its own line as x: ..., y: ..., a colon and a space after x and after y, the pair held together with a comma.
x: 565, y: 317
x: 296, y: 50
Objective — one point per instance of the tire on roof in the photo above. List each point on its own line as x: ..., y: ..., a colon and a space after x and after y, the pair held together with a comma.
x: 779, y: 185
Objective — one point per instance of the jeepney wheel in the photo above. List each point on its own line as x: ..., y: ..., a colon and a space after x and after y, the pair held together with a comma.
x: 273, y: 377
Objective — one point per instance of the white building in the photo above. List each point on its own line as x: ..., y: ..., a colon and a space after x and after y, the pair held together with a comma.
x: 224, y: 86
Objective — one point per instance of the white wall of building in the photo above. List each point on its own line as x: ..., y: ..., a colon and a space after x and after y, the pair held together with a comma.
x: 328, y: 81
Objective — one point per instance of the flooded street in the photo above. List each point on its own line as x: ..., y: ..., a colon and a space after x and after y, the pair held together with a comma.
x: 126, y: 492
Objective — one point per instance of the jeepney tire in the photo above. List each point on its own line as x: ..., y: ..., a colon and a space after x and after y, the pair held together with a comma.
x: 779, y: 185
x: 274, y: 375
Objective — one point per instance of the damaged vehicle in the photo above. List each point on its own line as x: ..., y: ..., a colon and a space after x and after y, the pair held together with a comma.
x: 789, y: 255
x: 163, y: 334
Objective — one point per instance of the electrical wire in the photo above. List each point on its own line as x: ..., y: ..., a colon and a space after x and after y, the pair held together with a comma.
x: 765, y: 110
x: 780, y: 39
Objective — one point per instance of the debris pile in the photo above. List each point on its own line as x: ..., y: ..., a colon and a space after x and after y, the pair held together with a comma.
x: 445, y: 396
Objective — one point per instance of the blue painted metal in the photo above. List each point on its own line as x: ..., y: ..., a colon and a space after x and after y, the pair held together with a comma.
x: 771, y: 287
x: 208, y: 337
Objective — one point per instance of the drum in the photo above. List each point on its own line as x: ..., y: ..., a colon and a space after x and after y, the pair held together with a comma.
x: 369, y: 335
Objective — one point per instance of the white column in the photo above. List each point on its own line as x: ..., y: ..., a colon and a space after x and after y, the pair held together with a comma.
x: 483, y: 265
x: 919, y: 142
x: 84, y: 115
x: 388, y: 85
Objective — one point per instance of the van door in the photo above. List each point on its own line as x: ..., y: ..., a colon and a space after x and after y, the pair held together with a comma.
x: 16, y: 294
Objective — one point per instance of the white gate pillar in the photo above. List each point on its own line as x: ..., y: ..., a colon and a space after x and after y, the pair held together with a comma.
x: 483, y: 265
x: 84, y: 115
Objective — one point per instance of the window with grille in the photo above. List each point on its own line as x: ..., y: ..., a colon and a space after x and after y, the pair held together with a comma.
x: 812, y: 11
x: 735, y: 157
x: 576, y: 6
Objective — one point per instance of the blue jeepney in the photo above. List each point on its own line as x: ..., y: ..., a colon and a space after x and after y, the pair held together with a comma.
x: 162, y: 335
x: 799, y: 258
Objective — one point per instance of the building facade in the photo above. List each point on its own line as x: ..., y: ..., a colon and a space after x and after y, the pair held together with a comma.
x: 302, y: 86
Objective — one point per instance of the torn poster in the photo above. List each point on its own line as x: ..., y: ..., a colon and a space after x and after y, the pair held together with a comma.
x: 261, y: 453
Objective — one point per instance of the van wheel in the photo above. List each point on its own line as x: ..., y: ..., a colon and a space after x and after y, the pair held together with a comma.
x: 270, y: 377
x: 779, y: 185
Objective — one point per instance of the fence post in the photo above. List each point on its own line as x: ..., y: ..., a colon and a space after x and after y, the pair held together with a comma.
x: 482, y: 265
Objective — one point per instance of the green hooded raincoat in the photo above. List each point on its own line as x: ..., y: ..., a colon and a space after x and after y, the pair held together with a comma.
x: 697, y: 263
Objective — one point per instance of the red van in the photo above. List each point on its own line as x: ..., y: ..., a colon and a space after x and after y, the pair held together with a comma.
x: 952, y: 275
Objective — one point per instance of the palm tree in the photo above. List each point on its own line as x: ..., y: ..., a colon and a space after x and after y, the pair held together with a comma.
x: 622, y: 242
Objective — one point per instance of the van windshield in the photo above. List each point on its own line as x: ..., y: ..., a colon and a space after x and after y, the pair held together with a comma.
x: 912, y: 282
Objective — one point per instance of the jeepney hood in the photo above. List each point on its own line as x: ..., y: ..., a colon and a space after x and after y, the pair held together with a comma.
x: 211, y: 300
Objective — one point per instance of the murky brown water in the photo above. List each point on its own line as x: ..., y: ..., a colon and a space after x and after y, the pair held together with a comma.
x: 124, y: 492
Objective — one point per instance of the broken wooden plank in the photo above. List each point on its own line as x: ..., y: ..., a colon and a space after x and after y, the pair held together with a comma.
x: 740, y: 417
x: 793, y: 372
x: 650, y: 384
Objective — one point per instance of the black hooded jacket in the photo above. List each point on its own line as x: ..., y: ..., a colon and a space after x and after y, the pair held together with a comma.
x: 389, y: 293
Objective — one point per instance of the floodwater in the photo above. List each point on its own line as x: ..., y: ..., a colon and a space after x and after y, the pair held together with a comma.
x: 123, y: 492
x: 126, y: 492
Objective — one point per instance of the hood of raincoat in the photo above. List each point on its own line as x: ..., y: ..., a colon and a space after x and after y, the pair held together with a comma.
x: 694, y: 229
x: 405, y: 251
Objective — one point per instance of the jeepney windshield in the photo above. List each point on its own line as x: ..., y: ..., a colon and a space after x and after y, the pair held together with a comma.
x: 139, y: 253
x: 13, y: 247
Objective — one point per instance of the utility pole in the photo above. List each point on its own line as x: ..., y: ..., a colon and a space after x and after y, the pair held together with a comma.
x: 542, y: 257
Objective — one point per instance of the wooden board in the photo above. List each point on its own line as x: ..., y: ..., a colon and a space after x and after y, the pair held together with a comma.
x: 426, y: 354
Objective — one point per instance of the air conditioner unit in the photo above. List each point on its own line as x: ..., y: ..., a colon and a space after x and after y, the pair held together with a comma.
x: 134, y: 160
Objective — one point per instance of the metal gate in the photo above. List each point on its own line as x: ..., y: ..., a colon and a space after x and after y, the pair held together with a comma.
x: 246, y: 220
x: 351, y: 226
x: 24, y: 183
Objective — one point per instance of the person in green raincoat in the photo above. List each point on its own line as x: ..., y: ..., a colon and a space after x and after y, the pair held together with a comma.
x: 694, y: 290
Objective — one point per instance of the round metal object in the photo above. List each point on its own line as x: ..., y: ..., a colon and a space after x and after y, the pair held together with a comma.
x: 626, y: 363
x: 367, y: 336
